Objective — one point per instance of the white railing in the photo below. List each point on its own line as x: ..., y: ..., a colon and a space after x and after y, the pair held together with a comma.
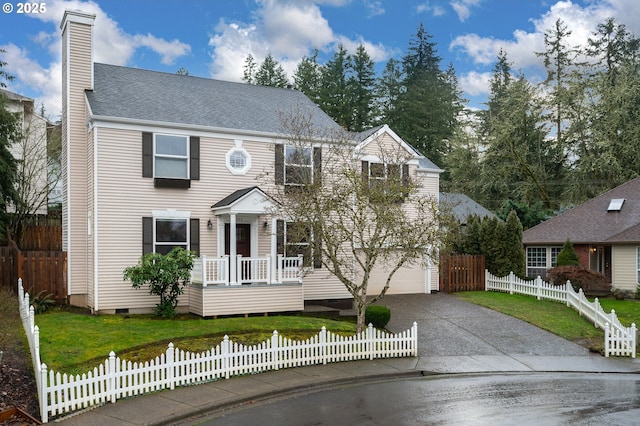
x: 215, y: 270
x: 207, y: 270
x: 116, y: 378
x: 619, y: 340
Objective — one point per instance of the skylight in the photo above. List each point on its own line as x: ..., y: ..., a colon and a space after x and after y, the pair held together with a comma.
x: 615, y: 205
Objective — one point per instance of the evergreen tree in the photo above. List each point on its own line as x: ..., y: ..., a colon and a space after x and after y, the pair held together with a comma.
x: 388, y: 88
x: 361, y: 90
x: 567, y: 256
x: 514, y: 252
x: 250, y: 67
x: 334, y: 91
x: 426, y: 110
x: 307, y: 77
x: 10, y: 131
x: 271, y: 73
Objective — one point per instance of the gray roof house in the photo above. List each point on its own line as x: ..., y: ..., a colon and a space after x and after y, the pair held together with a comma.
x: 462, y: 206
x: 154, y: 160
x: 605, y: 232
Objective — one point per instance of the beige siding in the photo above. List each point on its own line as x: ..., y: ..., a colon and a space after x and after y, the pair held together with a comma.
x: 124, y: 197
x: 321, y: 285
x: 624, y: 270
x: 210, y: 301
x: 78, y: 72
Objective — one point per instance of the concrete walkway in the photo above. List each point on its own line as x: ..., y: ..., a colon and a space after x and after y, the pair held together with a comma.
x: 455, y: 337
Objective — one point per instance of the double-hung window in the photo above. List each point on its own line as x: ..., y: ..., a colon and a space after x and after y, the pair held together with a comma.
x: 298, y: 166
x: 297, y: 241
x: 170, y: 233
x: 171, y: 156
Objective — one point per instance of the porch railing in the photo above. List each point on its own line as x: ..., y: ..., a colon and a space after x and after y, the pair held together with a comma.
x: 259, y: 270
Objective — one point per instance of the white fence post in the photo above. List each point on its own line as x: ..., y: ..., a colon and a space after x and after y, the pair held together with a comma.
x: 634, y: 339
x: 369, y: 341
x: 170, y: 366
x: 414, y: 338
x: 511, y: 282
x: 225, y: 356
x: 111, y: 377
x: 42, y: 393
x: 323, y: 345
x: 275, y: 351
x: 539, y: 287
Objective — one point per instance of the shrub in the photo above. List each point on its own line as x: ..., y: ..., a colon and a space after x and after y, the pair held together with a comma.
x: 567, y: 255
x: 580, y: 277
x: 166, y: 276
x: 42, y: 301
x: 377, y: 315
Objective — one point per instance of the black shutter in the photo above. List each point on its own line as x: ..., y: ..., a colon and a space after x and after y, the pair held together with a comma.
x: 405, y: 179
x: 317, y: 247
x: 147, y: 154
x: 365, y: 174
x: 147, y: 235
x: 317, y: 165
x: 194, y: 235
x: 194, y: 153
x: 279, y: 171
x: 280, y: 236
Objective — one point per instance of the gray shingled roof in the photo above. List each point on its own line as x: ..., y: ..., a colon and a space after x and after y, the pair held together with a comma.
x: 235, y: 196
x: 138, y: 94
x: 592, y: 223
x: 462, y: 206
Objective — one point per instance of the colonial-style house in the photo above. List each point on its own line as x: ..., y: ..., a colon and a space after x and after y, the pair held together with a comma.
x: 605, y: 232
x: 154, y: 160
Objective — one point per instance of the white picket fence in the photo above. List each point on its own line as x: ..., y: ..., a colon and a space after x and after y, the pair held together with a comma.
x: 619, y: 340
x: 116, y: 378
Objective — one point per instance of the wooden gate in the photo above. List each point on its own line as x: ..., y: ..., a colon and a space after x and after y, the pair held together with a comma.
x: 39, y: 270
x: 462, y: 272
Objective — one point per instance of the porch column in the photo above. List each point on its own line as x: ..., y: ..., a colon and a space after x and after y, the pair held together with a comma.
x: 274, y: 249
x: 232, y: 249
x: 220, y: 228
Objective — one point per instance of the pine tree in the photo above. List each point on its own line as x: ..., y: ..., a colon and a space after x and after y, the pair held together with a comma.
x: 361, y: 90
x: 335, y: 98
x: 271, y: 73
x: 307, y: 77
x: 567, y: 256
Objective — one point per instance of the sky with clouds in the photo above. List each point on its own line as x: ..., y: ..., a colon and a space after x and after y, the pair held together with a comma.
x: 212, y: 38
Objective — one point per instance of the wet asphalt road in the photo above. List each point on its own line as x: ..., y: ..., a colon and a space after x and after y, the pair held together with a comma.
x: 517, y: 399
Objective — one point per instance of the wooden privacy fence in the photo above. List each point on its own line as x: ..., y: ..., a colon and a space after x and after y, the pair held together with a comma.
x: 462, y: 272
x: 619, y: 340
x: 39, y: 270
x: 42, y: 237
x: 116, y: 378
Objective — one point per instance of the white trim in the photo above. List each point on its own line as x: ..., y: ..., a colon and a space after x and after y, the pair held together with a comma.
x: 95, y: 221
x: 65, y: 197
x: 186, y: 157
x: 78, y: 17
x: 247, y: 158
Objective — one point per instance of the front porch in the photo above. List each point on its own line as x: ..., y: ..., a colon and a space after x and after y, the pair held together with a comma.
x: 260, y: 285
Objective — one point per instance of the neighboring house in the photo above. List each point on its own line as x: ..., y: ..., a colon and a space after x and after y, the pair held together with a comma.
x: 462, y: 206
x: 153, y: 160
x: 34, y: 189
x: 605, y: 232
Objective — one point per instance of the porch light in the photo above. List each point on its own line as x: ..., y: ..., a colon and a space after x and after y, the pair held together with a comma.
x: 209, y: 224
x: 265, y: 225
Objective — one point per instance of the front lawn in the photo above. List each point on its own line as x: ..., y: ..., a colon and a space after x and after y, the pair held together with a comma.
x: 74, y: 342
x: 555, y: 317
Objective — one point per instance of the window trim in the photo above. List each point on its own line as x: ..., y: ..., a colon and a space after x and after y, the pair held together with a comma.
x: 298, y: 165
x: 186, y: 157
x: 171, y: 214
x: 550, y: 258
x: 238, y: 148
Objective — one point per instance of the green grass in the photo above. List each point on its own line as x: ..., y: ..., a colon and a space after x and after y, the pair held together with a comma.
x: 554, y: 317
x: 74, y: 342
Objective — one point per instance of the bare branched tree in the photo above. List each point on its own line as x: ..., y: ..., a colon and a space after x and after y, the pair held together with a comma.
x: 38, y: 170
x: 354, y: 222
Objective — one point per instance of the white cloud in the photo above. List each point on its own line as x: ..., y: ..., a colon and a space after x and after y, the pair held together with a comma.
x: 112, y: 45
x: 463, y: 8
x: 288, y: 30
x: 521, y: 48
x: 475, y: 83
x: 374, y: 7
x: 427, y: 7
